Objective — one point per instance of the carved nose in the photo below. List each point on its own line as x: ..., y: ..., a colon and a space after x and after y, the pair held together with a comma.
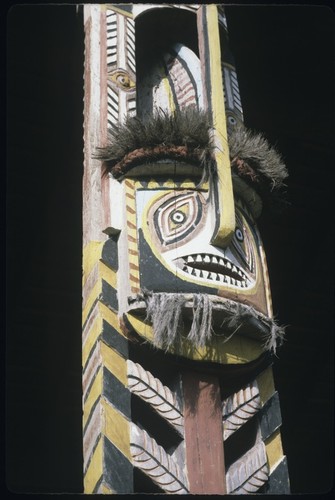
x: 223, y: 207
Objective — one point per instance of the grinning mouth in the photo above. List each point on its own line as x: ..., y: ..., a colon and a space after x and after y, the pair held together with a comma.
x: 213, y: 268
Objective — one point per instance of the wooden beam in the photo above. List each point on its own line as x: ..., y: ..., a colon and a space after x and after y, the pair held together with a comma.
x: 203, y: 434
x: 210, y: 59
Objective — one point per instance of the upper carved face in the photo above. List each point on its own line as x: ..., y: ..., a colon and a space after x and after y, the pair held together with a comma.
x: 176, y: 254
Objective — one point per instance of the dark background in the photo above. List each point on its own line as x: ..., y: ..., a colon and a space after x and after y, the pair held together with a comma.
x: 285, y: 64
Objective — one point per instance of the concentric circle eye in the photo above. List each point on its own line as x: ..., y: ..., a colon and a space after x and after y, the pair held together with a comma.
x: 239, y: 234
x: 178, y: 217
x: 232, y: 120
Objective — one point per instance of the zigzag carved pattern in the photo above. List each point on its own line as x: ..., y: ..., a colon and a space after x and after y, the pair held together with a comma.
x: 239, y: 408
x: 153, y: 460
x: 152, y: 391
x: 249, y: 473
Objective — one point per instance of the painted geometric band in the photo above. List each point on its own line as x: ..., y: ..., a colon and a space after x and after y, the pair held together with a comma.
x: 134, y: 275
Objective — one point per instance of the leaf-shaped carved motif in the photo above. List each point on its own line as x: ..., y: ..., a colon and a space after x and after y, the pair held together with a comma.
x: 248, y: 473
x: 239, y: 408
x: 153, y: 460
x: 150, y: 389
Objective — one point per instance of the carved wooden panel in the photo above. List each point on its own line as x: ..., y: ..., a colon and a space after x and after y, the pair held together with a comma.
x: 239, y: 408
x: 249, y: 473
x: 142, y: 383
x: 153, y: 460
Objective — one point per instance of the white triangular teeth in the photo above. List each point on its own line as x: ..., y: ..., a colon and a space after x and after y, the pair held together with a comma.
x: 204, y: 274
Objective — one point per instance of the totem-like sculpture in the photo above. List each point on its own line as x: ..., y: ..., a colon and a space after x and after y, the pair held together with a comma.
x: 178, y: 330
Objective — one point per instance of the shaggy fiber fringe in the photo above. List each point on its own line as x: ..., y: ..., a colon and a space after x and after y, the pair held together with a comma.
x: 259, y: 164
x: 185, y: 136
x: 164, y: 310
x: 188, y: 128
x: 241, y: 314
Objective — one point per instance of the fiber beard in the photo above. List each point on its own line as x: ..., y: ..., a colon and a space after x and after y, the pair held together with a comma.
x: 165, y: 312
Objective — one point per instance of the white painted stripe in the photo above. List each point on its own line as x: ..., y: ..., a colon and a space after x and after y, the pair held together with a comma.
x: 121, y: 42
x: 111, y: 61
x: 132, y: 66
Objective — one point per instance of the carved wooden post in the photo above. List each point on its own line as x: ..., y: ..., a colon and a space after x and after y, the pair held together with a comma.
x: 178, y: 330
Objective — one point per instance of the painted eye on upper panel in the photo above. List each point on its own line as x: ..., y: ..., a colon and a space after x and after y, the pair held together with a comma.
x: 242, y: 240
x: 178, y: 216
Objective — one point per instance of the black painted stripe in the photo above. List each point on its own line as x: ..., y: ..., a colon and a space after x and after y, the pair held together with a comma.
x: 118, y: 471
x: 114, y: 339
x: 278, y: 482
x: 206, y: 62
x: 97, y: 486
x: 270, y: 416
x: 109, y: 296
x: 116, y: 393
x: 109, y: 252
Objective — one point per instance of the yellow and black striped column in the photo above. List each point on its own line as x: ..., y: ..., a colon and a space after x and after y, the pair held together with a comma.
x: 106, y: 398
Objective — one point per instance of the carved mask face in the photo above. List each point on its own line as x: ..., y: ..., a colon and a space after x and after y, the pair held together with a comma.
x: 176, y: 254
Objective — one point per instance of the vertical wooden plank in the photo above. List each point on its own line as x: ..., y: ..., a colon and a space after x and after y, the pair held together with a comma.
x: 210, y: 58
x: 103, y: 115
x: 203, y: 434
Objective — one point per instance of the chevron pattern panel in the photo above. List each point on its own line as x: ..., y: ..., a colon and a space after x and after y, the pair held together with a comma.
x: 106, y: 398
x: 263, y: 466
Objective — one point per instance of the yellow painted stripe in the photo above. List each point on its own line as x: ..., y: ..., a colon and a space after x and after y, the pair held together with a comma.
x: 133, y: 259
x: 104, y: 272
x: 266, y: 385
x: 105, y: 489
x: 91, y: 255
x: 238, y: 350
x: 93, y: 296
x: 117, y: 429
x: 189, y: 184
x: 109, y: 316
x: 167, y: 88
x: 91, y: 338
x: 94, y: 393
x: 114, y: 362
x: 132, y: 230
x: 107, y: 274
x: 95, y: 469
x: 274, y: 449
x: 221, y: 152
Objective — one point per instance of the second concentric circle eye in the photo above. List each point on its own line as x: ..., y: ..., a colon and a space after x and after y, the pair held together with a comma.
x: 178, y: 217
x: 239, y: 235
